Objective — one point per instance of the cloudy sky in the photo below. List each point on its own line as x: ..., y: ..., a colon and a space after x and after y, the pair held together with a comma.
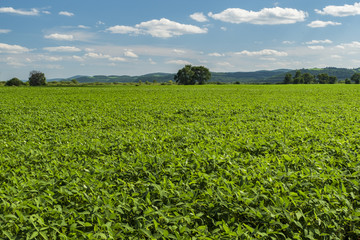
x: 134, y: 37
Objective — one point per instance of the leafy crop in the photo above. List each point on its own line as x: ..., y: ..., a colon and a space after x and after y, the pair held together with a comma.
x: 180, y: 162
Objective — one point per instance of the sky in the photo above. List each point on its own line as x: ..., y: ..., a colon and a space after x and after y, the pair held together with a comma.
x: 134, y: 37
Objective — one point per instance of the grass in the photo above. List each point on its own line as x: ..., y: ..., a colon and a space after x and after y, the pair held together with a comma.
x: 180, y: 162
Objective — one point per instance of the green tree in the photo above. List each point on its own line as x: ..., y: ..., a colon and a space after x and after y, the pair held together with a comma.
x: 298, y: 79
x: 333, y: 79
x: 190, y: 75
x: 74, y: 81
x: 14, y: 82
x: 356, y: 78
x: 323, y: 78
x: 37, y: 78
x: 347, y: 81
x: 201, y: 74
x: 308, y: 78
x: 288, y: 79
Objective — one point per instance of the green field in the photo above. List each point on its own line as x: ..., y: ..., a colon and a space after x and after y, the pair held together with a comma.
x: 180, y: 162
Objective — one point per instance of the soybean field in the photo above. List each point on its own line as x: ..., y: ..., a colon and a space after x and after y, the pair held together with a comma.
x: 180, y: 162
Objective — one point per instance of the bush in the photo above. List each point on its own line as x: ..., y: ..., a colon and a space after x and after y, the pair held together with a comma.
x: 14, y: 82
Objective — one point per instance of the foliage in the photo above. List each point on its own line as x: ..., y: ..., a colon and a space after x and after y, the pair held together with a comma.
x: 356, y: 78
x: 37, y: 78
x: 190, y: 75
x: 288, y: 78
x: 176, y: 162
x: 307, y: 78
x: 14, y: 82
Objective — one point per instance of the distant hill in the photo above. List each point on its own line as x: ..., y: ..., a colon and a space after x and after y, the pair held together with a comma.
x: 274, y: 76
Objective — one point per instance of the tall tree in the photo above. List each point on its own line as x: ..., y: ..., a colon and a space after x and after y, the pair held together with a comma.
x: 356, y: 78
x: 288, y: 79
x: 298, y: 79
x: 323, y: 78
x: 308, y: 78
x: 37, y: 78
x: 333, y: 79
x: 190, y: 75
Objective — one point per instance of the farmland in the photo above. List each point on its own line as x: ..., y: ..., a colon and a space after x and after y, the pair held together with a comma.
x: 180, y: 162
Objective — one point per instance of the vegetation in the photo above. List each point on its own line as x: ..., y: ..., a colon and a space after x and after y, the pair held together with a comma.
x: 307, y: 78
x: 14, y: 82
x: 176, y: 162
x: 37, y: 78
x: 191, y: 75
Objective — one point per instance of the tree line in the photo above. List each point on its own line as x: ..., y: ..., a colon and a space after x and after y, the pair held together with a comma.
x: 36, y: 78
x: 322, y: 78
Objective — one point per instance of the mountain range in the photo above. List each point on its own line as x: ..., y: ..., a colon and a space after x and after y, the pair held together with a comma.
x: 274, y: 76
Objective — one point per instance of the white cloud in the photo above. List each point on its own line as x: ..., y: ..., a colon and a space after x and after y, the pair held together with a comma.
x: 266, y: 16
x: 178, y: 51
x: 316, y: 47
x: 129, y: 53
x: 224, y: 29
x: 162, y: 28
x: 215, y: 54
x: 199, y: 17
x: 46, y: 12
x: 77, y: 58
x: 327, y: 41
x: 7, y: 48
x: 178, y: 62
x: 320, y: 24
x: 4, y: 31
x: 336, y: 56
x: 32, y: 12
x: 353, y: 44
x: 61, y: 37
x: 51, y: 58
x: 117, y: 59
x: 265, y: 52
x: 65, y: 13
x: 97, y: 55
x: 152, y: 62
x: 62, y: 49
x: 123, y: 29
x: 83, y: 27
x: 288, y: 42
x: 340, y: 11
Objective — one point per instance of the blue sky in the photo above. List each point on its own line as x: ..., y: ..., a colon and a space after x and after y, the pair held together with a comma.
x: 112, y: 37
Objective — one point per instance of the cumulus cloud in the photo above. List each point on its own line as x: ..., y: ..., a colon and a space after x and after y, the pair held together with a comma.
x: 340, y: 11
x: 288, y: 42
x: 4, y: 31
x: 264, y: 52
x: 321, y: 24
x: 129, y: 53
x: 199, y: 17
x: 32, y: 12
x: 62, y: 49
x: 215, y: 54
x: 162, y: 28
x: 353, y: 44
x: 178, y: 62
x: 83, y: 27
x: 123, y: 29
x: 327, y: 41
x: 7, y: 48
x: 117, y: 59
x: 316, y: 47
x: 65, y: 13
x: 61, y: 37
x: 266, y: 16
x: 97, y: 55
